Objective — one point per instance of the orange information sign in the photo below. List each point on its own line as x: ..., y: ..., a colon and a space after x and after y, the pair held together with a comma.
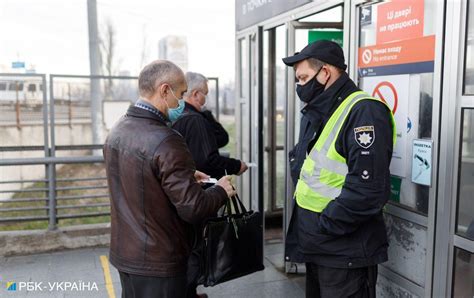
x: 400, y: 19
x: 400, y: 52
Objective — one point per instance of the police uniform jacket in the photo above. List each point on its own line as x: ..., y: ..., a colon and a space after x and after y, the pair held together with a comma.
x: 350, y: 231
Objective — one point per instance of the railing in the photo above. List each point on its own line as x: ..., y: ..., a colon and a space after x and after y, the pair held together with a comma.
x: 66, y: 109
x: 36, y: 189
x: 58, y: 205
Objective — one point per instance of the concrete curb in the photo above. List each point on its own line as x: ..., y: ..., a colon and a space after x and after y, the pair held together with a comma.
x: 40, y: 241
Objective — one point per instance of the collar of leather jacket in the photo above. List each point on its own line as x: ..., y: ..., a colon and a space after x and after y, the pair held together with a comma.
x: 134, y: 111
x: 330, y: 99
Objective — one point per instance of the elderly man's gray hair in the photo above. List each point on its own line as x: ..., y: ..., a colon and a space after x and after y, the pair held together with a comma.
x: 195, y: 81
x: 158, y: 73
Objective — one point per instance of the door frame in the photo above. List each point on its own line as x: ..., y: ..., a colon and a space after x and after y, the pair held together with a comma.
x: 250, y: 184
x: 447, y: 240
x: 244, y: 97
x: 271, y: 146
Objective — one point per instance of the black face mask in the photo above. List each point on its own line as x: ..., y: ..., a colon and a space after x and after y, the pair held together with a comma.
x: 311, y: 89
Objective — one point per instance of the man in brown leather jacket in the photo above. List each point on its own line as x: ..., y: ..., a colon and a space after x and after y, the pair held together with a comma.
x: 154, y: 190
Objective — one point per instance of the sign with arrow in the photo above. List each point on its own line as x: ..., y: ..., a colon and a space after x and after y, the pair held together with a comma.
x: 422, y: 162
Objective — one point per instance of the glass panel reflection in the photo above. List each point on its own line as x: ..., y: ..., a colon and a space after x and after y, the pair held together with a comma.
x: 465, y: 212
x: 469, y: 63
x: 410, y: 88
x: 463, y: 282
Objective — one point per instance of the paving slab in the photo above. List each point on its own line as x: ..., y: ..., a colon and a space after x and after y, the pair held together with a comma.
x: 84, y: 266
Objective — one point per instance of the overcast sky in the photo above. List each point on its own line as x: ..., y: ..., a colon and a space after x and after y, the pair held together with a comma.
x: 53, y: 34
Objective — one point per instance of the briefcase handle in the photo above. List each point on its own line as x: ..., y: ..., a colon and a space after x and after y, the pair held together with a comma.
x: 237, y: 203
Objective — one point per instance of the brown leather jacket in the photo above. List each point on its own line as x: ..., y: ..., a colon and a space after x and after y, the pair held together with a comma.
x: 154, y: 196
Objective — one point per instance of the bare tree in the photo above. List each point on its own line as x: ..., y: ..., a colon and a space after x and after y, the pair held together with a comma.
x: 107, y: 48
x: 144, y: 54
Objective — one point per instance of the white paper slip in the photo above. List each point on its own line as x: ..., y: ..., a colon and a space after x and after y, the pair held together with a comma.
x: 210, y: 180
x: 251, y: 164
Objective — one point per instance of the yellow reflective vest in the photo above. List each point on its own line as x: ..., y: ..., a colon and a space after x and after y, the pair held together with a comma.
x: 324, y: 169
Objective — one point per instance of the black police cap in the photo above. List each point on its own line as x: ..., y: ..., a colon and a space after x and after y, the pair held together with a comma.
x: 324, y: 50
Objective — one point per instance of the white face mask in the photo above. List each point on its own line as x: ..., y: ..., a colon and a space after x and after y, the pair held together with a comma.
x: 203, y: 106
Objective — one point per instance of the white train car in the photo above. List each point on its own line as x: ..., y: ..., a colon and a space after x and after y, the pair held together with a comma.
x: 22, y: 90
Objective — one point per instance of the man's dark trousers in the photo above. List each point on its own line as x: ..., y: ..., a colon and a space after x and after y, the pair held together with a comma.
x: 326, y: 282
x: 137, y: 286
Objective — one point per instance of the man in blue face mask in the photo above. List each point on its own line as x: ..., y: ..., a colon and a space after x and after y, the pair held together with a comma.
x: 155, y: 194
x: 175, y: 113
x: 165, y: 101
x: 340, y: 168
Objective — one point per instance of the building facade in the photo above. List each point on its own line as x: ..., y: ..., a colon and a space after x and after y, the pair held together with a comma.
x: 417, y: 56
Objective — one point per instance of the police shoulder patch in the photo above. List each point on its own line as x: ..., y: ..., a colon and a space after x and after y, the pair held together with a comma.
x: 364, y: 136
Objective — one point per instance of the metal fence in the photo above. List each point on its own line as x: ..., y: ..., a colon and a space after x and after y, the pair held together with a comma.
x: 47, y: 199
x: 56, y: 176
x: 62, y: 112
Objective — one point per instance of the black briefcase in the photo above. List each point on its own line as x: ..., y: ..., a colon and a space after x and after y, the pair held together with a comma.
x: 232, y: 245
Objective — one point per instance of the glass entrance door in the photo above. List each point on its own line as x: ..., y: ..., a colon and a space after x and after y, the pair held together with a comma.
x: 243, y: 104
x: 249, y: 118
x: 327, y: 24
x: 455, y: 229
x: 274, y: 100
x: 397, y: 59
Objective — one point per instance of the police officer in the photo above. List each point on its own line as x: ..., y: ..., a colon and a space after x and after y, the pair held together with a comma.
x: 340, y: 167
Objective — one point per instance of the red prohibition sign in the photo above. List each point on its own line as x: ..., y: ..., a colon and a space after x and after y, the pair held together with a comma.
x: 379, y: 94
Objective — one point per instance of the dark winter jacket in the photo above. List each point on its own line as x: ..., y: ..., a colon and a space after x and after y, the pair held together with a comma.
x: 201, y: 139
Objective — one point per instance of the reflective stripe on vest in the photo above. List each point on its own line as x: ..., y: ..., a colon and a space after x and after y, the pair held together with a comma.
x: 324, y: 169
